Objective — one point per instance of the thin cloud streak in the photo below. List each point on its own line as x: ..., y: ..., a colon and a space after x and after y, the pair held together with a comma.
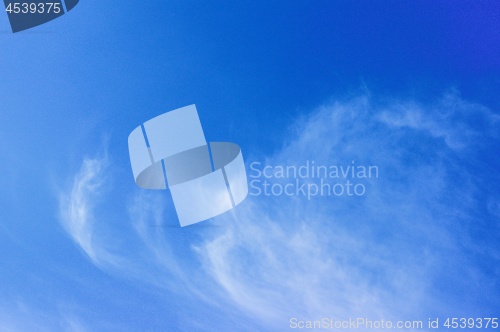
x: 77, y: 211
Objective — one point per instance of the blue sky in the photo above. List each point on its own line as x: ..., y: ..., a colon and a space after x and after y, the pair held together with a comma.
x: 411, y: 87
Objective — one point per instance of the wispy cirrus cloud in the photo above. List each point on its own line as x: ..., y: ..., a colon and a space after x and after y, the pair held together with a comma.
x: 384, y: 255
x: 460, y: 123
x: 377, y: 256
x: 77, y: 211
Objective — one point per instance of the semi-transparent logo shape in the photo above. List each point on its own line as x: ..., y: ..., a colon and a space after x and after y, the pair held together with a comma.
x: 26, y: 14
x: 205, y: 179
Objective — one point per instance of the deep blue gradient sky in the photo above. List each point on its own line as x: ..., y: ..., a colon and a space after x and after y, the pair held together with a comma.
x: 411, y: 86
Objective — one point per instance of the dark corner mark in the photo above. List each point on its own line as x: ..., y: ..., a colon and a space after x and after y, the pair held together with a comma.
x: 26, y: 14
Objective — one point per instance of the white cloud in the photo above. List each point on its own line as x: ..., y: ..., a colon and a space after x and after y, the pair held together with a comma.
x: 77, y: 209
x: 377, y: 256
x: 457, y: 121
x: 77, y: 212
x: 136, y: 247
